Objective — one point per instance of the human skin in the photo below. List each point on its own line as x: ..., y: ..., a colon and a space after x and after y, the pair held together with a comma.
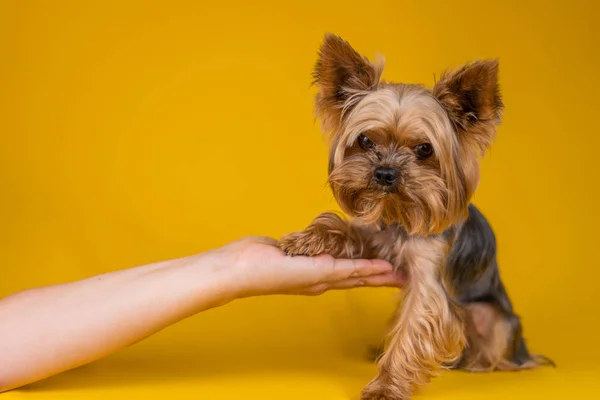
x: 48, y: 330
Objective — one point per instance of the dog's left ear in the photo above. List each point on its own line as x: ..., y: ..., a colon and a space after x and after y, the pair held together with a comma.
x: 343, y: 77
x: 471, y: 97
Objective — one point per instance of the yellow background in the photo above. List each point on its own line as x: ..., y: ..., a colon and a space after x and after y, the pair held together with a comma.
x: 133, y: 132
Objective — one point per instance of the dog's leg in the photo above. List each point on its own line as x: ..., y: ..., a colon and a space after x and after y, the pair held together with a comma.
x: 428, y: 330
x: 327, y: 234
x: 495, y: 341
x: 489, y: 335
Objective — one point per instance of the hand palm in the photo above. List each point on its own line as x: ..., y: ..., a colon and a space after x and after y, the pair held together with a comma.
x: 266, y: 269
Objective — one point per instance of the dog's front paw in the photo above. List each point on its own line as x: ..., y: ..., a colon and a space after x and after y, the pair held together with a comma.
x: 327, y: 234
x: 306, y: 243
x: 373, y: 395
x: 376, y: 390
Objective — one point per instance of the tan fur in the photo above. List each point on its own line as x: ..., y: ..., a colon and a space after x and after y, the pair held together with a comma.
x: 489, y: 335
x: 403, y: 223
x: 433, y: 197
x: 329, y: 234
x: 338, y: 91
x: 428, y: 329
x: 475, y: 127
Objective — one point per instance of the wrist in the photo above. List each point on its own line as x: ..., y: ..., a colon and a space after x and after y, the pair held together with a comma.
x: 216, y: 273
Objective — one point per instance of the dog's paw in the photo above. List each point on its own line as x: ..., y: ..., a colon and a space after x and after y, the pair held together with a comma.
x: 305, y: 243
x: 377, y: 391
x: 379, y: 396
x: 374, y: 396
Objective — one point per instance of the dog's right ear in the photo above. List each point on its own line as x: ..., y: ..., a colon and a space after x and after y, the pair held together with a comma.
x: 343, y: 77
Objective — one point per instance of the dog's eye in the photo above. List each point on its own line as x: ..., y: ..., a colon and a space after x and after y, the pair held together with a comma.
x: 424, y: 151
x: 365, y: 143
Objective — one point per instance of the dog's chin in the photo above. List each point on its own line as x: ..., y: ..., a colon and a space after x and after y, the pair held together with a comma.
x: 420, y: 212
x: 375, y: 206
x: 389, y: 206
x: 386, y: 190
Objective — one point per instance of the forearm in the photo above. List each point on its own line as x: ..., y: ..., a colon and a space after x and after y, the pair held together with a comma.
x: 49, y: 330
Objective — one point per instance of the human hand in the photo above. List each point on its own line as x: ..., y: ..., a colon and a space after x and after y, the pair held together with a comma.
x: 260, y: 268
x: 137, y: 302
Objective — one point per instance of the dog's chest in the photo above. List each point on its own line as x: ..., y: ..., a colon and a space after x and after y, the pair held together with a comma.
x: 386, y: 243
x: 403, y: 250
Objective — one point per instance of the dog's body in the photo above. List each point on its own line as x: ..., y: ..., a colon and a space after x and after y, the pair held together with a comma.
x: 494, y: 333
x: 404, y: 164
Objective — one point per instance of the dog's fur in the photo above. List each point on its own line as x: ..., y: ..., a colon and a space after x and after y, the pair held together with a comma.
x: 455, y: 311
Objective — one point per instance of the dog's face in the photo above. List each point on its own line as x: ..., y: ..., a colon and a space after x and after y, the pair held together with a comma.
x: 403, y: 153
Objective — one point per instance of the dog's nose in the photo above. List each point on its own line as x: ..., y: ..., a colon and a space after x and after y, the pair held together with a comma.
x: 386, y: 176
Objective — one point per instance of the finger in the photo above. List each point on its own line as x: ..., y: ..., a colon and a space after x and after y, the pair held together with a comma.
x: 338, y: 269
x: 324, y: 269
x: 390, y: 279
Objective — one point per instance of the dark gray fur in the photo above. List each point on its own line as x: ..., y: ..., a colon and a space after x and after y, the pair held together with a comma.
x: 472, y: 269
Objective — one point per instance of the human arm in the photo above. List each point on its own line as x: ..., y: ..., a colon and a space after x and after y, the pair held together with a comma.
x: 48, y: 330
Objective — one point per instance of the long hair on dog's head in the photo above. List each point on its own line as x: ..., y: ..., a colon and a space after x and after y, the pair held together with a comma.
x: 403, y: 153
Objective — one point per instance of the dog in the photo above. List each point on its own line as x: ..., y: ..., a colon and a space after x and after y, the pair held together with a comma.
x: 403, y: 165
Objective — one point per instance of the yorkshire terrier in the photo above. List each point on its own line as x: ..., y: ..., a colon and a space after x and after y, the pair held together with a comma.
x: 404, y: 163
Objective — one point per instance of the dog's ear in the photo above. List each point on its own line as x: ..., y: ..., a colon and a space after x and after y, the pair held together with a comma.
x: 471, y: 97
x: 343, y: 76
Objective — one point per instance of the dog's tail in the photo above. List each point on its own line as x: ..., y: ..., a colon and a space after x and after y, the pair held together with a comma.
x: 542, y: 360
